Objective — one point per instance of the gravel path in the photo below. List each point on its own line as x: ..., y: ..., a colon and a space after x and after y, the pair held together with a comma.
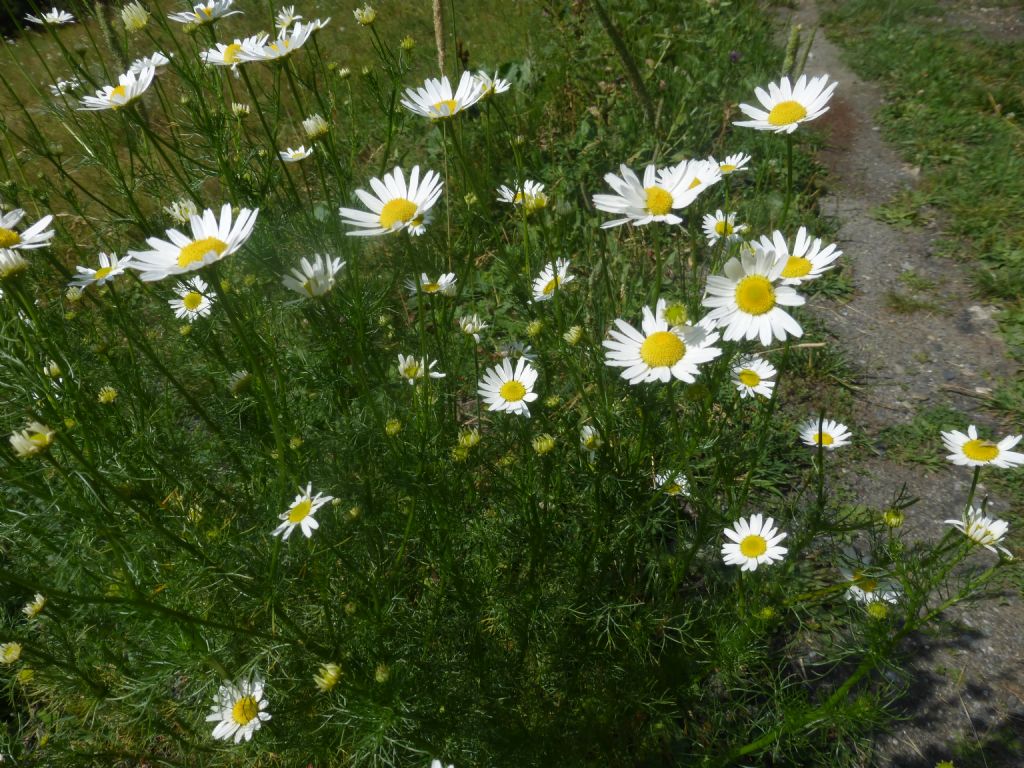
x: 967, y: 690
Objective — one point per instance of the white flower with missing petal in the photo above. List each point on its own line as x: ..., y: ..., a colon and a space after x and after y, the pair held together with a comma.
x: 752, y: 542
x: 672, y: 483
x: 286, y: 17
x: 239, y: 710
x: 805, y: 261
x: 414, y: 369
x: 53, y: 16
x: 295, y: 155
x: 659, y: 351
x: 732, y: 163
x: 444, y: 285
x: 155, y: 60
x: 204, y: 13
x: 529, y: 196
x: 211, y: 241
x: 986, y: 531
x: 472, y: 325
x: 551, y: 279
x: 230, y: 54
x: 491, y: 85
x: 971, y: 451
x: 396, y: 205
x: 109, y: 268
x: 300, y: 513
x: 653, y: 199
x: 36, y: 236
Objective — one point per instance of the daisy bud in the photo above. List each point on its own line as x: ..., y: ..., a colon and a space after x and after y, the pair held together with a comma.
x: 382, y: 674
x: 878, y: 610
x: 327, y: 677
x: 574, y: 335
x: 534, y: 328
x: 407, y: 43
x: 469, y: 438
x: 107, y: 395
x: 893, y: 517
x: 392, y: 427
x: 544, y: 443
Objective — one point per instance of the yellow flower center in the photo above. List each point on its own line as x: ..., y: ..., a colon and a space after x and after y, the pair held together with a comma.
x: 797, y: 266
x: 824, y: 438
x: 198, y: 250
x: 192, y: 300
x: 786, y: 112
x: 695, y: 183
x: 512, y: 391
x: 723, y: 228
x: 753, y: 546
x: 659, y: 202
x: 980, y: 532
x: 980, y: 450
x: 397, y: 211
x: 8, y: 238
x: 430, y: 287
x: 552, y: 284
x: 39, y: 438
x: 208, y: 10
x: 755, y: 295
x: 245, y: 710
x: 866, y: 584
x: 662, y: 349
x: 101, y: 273
x: 749, y: 378
x: 727, y: 167
x: 300, y: 511
x: 446, y: 108
x: 231, y: 53
x: 411, y: 370
x: 119, y: 91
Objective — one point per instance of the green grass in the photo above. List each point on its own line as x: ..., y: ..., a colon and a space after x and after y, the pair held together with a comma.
x: 954, y: 107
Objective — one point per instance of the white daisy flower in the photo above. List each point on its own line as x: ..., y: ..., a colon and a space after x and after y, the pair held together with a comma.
x: 491, y: 85
x: 300, y: 513
x: 286, y: 43
x: 732, y: 163
x: 753, y: 542
x: 63, y: 87
x: 866, y: 587
x: 230, y: 55
x: 971, y: 451
x: 529, y: 195
x: 719, y: 225
x: 240, y: 710
x: 396, y: 206
x: 436, y: 100
x: 53, y: 16
x: 36, y: 236
x: 128, y: 89
x: 35, y: 607
x: 983, y: 530
x: 655, y: 198
x: 438, y: 764
x: 506, y: 389
x: 659, y: 351
x: 365, y: 15
x: 11, y: 263
x: 785, y: 106
x: 295, y: 155
x: 182, y: 210
x: 827, y: 433
x: 211, y: 241
x: 315, y: 126
x: 551, y: 279
x: 195, y: 300
x: 590, y: 440
x: 412, y: 370
x: 204, y: 13
x: 109, y: 268
x: 444, y: 285
x: 155, y: 60
x: 672, y: 483
x: 472, y: 325
x: 134, y: 16
x: 286, y: 17
x: 33, y: 439
x: 694, y: 175
x: 314, y: 278
x: 806, y: 260
x: 327, y: 677
x: 748, y: 304
x: 752, y: 376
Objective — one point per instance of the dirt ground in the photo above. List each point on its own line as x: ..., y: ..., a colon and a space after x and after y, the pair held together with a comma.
x: 966, y: 699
